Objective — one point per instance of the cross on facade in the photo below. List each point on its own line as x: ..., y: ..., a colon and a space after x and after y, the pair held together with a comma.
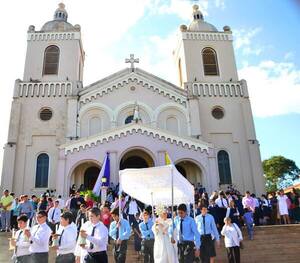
x: 132, y: 60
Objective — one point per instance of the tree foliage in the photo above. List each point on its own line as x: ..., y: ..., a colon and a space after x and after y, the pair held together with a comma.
x: 278, y: 169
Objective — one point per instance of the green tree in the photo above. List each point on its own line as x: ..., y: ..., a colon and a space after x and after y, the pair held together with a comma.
x: 278, y: 169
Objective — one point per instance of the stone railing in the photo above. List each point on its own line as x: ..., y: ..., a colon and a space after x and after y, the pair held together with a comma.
x: 44, y: 89
x: 237, y: 89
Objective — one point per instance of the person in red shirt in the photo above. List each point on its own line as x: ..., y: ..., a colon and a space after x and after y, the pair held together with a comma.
x: 105, y: 216
x: 89, y: 202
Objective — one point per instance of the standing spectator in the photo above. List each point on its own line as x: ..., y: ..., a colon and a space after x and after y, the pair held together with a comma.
x: 43, y: 204
x: 133, y: 209
x: 274, y: 209
x: 15, y: 213
x: 257, y: 212
x: 233, y: 237
x: 6, y: 204
x: 61, y: 202
x: 54, y: 216
x: 248, y: 220
x: 105, y: 216
x: 81, y: 216
x: 222, y: 208
x: 88, y: 201
x: 295, y: 199
x: 248, y: 201
x: 266, y: 209
x: 26, y: 207
x: 233, y: 213
x: 283, y: 207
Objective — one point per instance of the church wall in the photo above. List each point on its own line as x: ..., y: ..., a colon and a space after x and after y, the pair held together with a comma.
x: 36, y: 136
x: 232, y: 133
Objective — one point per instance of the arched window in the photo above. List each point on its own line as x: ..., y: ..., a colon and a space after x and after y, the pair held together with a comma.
x: 129, y: 119
x: 42, y: 171
x: 210, y: 62
x: 224, y: 167
x: 51, y: 60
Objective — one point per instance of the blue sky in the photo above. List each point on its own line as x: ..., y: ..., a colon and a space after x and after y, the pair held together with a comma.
x: 266, y: 46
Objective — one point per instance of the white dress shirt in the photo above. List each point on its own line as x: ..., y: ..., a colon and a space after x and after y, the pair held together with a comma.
x: 22, y: 244
x: 67, y: 239
x: 61, y: 204
x: 221, y: 202
x: 100, y: 238
x: 133, y: 208
x: 54, y: 212
x: 40, y: 235
x: 233, y: 235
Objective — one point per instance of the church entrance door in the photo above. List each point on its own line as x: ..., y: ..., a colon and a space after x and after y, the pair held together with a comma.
x: 190, y: 171
x: 90, y: 177
x: 136, y: 159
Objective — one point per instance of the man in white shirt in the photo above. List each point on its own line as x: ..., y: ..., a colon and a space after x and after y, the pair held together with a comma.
x: 222, y: 204
x: 39, y: 239
x: 96, y: 235
x: 21, y: 242
x: 61, y: 202
x: 54, y: 215
x: 65, y: 239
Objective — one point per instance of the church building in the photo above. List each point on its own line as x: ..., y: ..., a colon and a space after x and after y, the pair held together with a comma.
x: 61, y: 130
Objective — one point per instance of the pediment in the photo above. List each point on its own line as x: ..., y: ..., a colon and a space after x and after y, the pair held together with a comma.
x: 119, y: 79
x: 134, y: 128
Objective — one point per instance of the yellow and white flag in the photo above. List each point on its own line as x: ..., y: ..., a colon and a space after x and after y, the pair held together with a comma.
x: 167, y: 159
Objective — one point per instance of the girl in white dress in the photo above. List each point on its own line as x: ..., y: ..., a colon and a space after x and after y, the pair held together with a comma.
x: 283, y: 207
x: 164, y: 250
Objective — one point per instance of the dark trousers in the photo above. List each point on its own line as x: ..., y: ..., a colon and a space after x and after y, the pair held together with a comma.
x: 67, y: 258
x: 233, y: 254
x: 40, y: 257
x: 207, y: 249
x: 23, y: 259
x: 97, y: 257
x: 186, y: 252
x: 120, y: 252
x: 147, y: 246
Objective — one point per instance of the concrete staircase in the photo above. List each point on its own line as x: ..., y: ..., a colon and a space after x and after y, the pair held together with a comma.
x: 276, y: 244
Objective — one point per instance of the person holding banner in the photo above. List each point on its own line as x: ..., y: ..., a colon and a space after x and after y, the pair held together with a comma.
x: 188, y: 237
x: 119, y: 231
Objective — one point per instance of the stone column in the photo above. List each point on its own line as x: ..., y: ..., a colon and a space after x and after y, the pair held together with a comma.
x: 61, y: 176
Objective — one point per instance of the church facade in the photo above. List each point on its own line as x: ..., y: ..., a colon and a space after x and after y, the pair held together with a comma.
x: 60, y: 130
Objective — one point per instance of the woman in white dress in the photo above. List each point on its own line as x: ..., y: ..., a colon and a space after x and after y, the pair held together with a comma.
x: 283, y: 207
x: 164, y: 250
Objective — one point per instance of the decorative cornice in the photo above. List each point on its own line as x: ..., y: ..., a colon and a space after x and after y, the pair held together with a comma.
x: 130, y: 129
x: 100, y: 89
x: 207, y: 36
x: 52, y: 36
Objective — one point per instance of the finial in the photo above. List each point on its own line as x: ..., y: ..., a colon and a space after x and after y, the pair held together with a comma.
x: 132, y: 60
x: 195, y: 7
x: 61, y: 6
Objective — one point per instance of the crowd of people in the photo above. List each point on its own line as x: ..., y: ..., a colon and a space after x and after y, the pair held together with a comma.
x: 80, y: 229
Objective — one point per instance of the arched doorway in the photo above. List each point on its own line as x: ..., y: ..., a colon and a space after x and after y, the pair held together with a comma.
x: 90, y: 177
x: 136, y: 159
x: 190, y: 171
x: 85, y: 175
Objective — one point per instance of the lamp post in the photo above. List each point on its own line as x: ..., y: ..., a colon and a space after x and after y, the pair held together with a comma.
x: 103, y: 190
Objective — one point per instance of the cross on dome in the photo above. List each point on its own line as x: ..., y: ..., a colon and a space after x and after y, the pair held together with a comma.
x: 132, y: 60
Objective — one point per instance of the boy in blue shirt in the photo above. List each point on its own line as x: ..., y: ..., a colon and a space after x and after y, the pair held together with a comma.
x: 147, y: 237
x: 248, y: 220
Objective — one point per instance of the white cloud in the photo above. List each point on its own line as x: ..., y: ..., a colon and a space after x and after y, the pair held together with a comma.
x: 274, y: 87
x: 243, y: 37
x: 289, y: 55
